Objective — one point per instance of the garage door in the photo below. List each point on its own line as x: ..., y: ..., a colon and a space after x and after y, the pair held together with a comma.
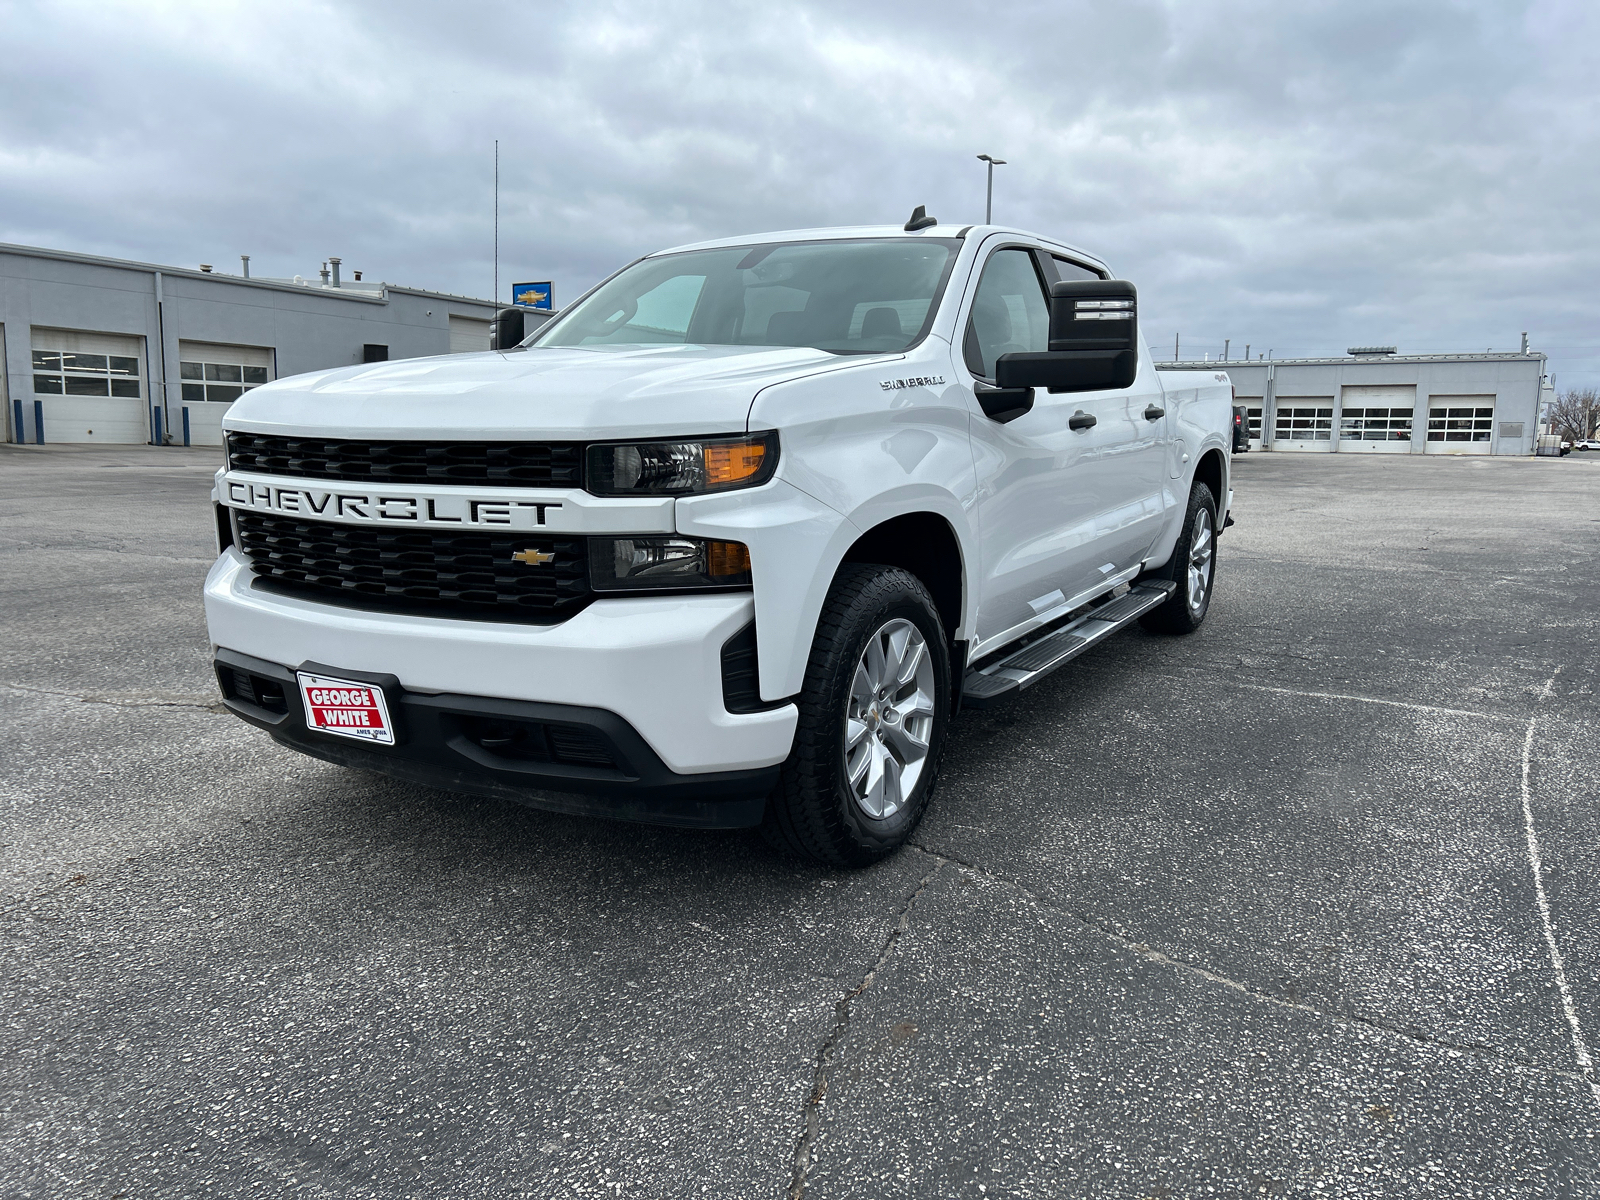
x: 1252, y: 417
x: 1303, y: 423
x: 1460, y: 424
x: 468, y: 335
x: 1376, y: 420
x: 92, y: 386
x: 213, y: 376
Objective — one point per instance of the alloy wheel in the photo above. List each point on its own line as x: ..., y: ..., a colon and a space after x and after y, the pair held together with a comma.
x: 1202, y: 552
x: 889, y: 719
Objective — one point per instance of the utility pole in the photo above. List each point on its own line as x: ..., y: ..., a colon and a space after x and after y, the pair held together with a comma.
x: 1226, y: 342
x: 988, y: 204
x: 1174, y: 347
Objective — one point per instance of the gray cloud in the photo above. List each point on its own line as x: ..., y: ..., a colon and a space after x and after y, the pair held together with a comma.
x: 1300, y: 177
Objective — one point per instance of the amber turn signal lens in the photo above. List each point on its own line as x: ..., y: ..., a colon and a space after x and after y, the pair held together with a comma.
x: 725, y: 559
x: 729, y: 462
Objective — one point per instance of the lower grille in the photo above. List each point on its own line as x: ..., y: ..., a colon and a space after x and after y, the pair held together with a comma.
x: 443, y: 573
x: 535, y: 741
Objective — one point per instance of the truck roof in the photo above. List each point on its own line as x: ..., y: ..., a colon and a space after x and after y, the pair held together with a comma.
x: 882, y: 231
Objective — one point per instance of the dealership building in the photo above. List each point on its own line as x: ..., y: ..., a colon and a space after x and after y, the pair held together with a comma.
x: 102, y: 350
x: 1376, y: 401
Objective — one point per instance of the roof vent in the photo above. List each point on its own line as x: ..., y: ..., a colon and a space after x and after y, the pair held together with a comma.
x: 919, y: 219
x: 206, y: 267
x: 1364, y: 351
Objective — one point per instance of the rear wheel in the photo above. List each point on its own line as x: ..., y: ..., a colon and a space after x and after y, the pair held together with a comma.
x: 1193, y: 567
x: 872, y: 722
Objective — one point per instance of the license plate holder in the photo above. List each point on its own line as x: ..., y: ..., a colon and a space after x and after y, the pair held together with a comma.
x: 348, y: 708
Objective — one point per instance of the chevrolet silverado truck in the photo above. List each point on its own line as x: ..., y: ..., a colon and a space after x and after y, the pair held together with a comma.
x: 728, y: 542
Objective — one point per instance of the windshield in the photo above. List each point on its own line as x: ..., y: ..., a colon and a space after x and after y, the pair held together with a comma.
x: 848, y: 297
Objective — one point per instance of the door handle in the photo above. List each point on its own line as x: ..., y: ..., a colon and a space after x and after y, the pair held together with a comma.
x: 1154, y: 412
x: 1081, y: 420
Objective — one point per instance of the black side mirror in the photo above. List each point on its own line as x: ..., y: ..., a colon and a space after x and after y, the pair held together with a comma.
x: 506, y: 330
x: 1094, y: 340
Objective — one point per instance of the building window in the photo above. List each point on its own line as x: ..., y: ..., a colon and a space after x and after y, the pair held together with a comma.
x: 1252, y: 416
x: 218, y: 382
x: 65, y: 373
x: 1460, y: 424
x: 1375, y: 425
x: 1296, y: 424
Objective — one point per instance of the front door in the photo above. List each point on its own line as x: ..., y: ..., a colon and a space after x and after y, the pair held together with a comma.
x: 1060, y: 508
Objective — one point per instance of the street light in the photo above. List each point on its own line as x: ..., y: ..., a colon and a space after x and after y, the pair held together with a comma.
x: 988, y: 204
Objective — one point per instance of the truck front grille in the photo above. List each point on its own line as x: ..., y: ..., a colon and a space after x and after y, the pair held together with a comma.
x: 443, y: 574
x: 492, y: 464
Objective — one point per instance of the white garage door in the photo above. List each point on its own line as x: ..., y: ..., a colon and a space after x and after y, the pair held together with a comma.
x: 1252, y: 418
x: 213, y: 376
x: 92, y: 386
x: 468, y: 335
x: 1460, y: 424
x: 1376, y: 420
x: 1303, y: 423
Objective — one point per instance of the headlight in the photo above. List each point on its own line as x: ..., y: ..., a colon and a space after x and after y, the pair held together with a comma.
x: 682, y: 468
x: 647, y: 563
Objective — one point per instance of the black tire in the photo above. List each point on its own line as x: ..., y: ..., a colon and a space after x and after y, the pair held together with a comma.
x: 814, y: 811
x: 1181, y: 614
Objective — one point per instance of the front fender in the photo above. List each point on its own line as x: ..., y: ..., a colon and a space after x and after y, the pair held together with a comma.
x: 796, y: 544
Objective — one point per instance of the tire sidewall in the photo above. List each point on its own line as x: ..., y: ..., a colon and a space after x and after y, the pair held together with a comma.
x: 874, y: 836
x: 1199, y: 500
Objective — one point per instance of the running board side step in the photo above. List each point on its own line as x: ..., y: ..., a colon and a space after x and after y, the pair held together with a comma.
x: 1025, y: 667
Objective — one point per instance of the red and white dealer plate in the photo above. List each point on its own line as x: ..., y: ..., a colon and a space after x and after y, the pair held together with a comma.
x: 346, y: 708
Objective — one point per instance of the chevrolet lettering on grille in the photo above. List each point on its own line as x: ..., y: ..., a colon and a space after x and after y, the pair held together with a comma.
x: 389, y: 507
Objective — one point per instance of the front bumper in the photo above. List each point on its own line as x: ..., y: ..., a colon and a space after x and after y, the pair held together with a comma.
x: 653, y: 662
x: 561, y: 757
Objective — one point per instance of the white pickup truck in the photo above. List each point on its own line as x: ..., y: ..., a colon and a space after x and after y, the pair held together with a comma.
x: 730, y: 540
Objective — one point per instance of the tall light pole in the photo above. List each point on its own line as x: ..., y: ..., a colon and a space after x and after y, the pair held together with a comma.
x: 988, y: 204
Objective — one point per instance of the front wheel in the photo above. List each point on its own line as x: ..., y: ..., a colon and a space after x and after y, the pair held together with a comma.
x: 872, y: 722
x: 1193, y: 567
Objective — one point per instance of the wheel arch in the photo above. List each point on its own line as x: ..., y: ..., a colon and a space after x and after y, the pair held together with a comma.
x: 1212, y: 470
x: 925, y: 544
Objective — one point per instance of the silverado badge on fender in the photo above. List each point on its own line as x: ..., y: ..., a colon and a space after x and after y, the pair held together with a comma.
x: 533, y: 558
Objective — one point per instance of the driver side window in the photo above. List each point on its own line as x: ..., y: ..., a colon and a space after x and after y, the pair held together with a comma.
x: 1009, y: 312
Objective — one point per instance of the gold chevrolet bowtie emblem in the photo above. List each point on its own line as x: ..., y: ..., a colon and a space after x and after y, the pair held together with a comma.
x: 532, y: 557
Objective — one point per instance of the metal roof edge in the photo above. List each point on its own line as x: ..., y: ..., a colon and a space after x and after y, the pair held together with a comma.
x: 411, y: 291
x: 128, y: 264
x: 1346, y: 360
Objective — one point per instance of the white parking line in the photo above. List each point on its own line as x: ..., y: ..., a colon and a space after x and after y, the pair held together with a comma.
x: 1580, y: 1047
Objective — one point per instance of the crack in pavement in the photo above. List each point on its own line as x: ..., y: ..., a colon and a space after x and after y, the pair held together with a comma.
x: 215, y: 706
x: 1183, y: 967
x: 803, y: 1150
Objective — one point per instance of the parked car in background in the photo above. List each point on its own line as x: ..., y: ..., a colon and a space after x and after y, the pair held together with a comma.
x: 1586, y: 444
x: 1241, y: 429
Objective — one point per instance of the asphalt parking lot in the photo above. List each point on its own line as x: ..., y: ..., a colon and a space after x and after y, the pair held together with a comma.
x: 1249, y: 913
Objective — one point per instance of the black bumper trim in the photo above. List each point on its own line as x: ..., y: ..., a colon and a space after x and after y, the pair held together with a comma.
x: 434, y: 750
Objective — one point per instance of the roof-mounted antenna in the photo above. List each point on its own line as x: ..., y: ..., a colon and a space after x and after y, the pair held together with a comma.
x: 920, y: 219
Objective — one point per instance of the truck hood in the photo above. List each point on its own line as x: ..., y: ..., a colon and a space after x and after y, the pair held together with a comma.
x: 601, y: 392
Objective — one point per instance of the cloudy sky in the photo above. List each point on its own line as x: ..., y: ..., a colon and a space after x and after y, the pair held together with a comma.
x: 1299, y: 176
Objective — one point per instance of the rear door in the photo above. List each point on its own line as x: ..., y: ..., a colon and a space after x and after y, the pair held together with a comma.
x: 1060, y: 509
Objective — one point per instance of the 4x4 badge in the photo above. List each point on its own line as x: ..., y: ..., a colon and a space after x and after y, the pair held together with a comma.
x: 532, y: 557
